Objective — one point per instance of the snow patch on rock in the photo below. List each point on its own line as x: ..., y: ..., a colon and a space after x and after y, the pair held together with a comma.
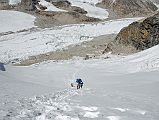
x: 50, y: 7
x: 90, y: 7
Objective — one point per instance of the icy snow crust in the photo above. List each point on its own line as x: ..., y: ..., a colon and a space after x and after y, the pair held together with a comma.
x: 14, y: 21
x: 90, y: 7
x: 34, y: 43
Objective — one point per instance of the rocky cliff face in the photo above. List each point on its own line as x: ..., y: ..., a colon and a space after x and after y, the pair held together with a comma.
x: 137, y: 36
x: 129, y: 8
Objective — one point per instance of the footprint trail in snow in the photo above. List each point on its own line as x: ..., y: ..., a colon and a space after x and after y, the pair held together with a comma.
x: 53, y: 106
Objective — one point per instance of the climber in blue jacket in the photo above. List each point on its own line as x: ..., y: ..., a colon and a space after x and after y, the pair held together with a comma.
x: 79, y: 83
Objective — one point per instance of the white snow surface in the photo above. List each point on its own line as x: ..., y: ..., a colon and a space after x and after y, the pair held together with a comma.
x: 38, y: 42
x: 116, y: 88
x: 91, y: 114
x: 90, y: 7
x: 15, y: 21
x: 14, y: 2
x: 113, y: 117
x: 50, y: 7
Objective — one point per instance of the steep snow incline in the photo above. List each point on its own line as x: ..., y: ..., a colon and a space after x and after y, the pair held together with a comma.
x: 15, y: 21
x: 146, y: 60
x: 110, y: 91
x: 50, y: 7
x: 28, y: 44
x: 90, y: 7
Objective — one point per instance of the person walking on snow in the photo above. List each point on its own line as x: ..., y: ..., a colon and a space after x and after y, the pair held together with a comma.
x: 79, y: 83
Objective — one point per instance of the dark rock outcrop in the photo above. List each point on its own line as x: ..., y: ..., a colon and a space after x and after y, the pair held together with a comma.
x: 138, y: 35
x: 129, y: 8
x: 28, y: 4
x: 4, y: 4
x: 61, y: 3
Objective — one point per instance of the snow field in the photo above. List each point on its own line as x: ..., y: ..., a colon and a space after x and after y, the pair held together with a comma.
x: 34, y: 43
x: 116, y: 88
x: 15, y: 21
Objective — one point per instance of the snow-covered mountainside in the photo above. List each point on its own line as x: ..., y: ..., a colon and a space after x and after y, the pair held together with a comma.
x: 129, y: 7
x: 47, y: 40
x: 115, y: 88
x: 90, y: 7
x: 100, y: 9
x: 12, y: 21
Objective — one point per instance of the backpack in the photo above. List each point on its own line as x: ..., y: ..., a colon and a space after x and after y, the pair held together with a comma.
x: 79, y: 81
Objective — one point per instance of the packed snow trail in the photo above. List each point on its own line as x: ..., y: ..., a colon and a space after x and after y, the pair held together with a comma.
x: 53, y: 106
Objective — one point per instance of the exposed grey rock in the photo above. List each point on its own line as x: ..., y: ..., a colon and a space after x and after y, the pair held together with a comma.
x: 129, y: 7
x: 28, y: 4
x: 138, y: 35
x: 4, y: 4
x: 61, y: 3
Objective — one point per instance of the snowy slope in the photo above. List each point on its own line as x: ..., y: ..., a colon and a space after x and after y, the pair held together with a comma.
x: 146, y: 60
x: 15, y: 21
x: 14, y: 2
x: 34, y: 43
x: 114, y: 89
x: 90, y: 7
x: 50, y: 7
